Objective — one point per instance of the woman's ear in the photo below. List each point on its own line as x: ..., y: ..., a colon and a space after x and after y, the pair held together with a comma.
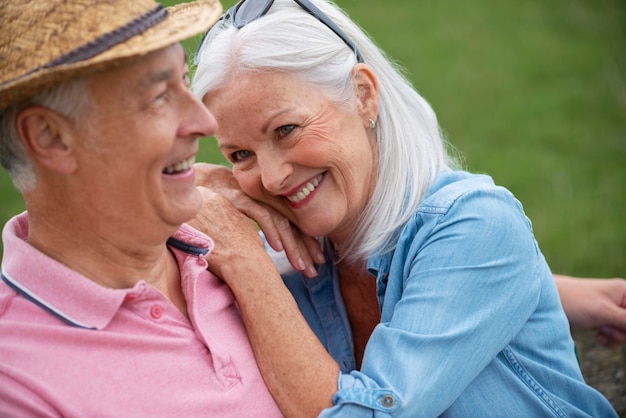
x: 366, y: 88
x: 46, y: 135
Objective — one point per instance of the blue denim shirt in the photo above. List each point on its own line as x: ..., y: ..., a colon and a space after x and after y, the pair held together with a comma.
x: 471, y: 321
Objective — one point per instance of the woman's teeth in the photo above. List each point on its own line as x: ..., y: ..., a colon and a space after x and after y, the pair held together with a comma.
x: 181, y: 166
x: 306, y: 190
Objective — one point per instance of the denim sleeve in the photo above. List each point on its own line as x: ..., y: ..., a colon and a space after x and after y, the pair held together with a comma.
x: 464, y: 276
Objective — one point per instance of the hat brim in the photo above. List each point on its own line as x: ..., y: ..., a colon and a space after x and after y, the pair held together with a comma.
x: 185, y: 21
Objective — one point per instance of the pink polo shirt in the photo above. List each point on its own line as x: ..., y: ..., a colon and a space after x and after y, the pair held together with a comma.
x: 70, y: 347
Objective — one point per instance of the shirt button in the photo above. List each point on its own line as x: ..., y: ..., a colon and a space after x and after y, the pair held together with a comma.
x: 388, y: 401
x: 156, y: 311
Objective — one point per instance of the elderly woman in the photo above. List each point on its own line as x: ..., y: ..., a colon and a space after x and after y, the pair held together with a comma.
x: 433, y: 298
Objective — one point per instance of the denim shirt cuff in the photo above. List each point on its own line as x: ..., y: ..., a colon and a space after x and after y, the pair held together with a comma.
x: 355, y: 389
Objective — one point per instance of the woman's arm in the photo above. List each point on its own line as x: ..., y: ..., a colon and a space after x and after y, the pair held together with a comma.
x: 296, y: 367
x: 598, y: 304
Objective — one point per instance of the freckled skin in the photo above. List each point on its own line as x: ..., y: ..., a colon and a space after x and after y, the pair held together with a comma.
x: 280, y: 134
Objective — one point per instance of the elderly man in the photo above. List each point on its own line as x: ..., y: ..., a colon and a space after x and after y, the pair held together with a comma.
x: 106, y: 306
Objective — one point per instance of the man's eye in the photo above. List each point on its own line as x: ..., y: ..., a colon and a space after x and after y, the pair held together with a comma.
x: 163, y: 95
x: 240, y: 155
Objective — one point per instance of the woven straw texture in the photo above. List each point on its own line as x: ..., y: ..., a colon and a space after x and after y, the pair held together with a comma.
x: 35, y: 33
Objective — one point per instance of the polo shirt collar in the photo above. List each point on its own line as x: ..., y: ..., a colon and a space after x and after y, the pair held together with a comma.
x: 64, y: 293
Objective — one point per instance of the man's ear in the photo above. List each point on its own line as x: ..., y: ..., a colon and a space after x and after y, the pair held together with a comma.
x: 366, y: 87
x: 47, y: 136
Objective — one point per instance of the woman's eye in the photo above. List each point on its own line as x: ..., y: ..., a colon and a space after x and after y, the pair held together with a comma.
x: 285, y: 130
x: 239, y: 155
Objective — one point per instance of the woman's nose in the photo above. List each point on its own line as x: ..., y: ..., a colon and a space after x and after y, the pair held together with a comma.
x: 275, y: 171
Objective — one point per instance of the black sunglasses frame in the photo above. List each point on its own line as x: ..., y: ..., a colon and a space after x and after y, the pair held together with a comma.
x: 239, y: 23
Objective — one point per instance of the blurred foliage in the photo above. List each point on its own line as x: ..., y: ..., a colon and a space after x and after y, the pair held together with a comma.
x: 532, y: 93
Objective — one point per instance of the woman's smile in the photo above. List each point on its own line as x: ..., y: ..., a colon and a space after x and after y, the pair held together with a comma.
x: 300, y: 197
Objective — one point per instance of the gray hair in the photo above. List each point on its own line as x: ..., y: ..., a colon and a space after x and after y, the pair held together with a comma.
x: 68, y: 98
x: 411, y: 147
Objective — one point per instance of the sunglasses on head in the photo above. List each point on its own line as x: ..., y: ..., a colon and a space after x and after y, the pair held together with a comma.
x: 247, y: 11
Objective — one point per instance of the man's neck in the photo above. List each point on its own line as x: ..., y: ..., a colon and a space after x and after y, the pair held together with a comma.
x: 113, y: 260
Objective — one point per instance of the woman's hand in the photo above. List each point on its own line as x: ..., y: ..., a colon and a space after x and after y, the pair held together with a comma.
x: 598, y: 304
x: 301, y: 250
x: 290, y: 356
x: 237, y: 243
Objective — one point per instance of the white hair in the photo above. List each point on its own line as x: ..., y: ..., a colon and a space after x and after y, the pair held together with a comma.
x: 411, y: 148
x: 68, y: 98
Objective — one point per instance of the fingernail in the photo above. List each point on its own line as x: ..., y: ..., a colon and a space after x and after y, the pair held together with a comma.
x: 310, y: 272
x: 319, y: 258
x: 300, y: 264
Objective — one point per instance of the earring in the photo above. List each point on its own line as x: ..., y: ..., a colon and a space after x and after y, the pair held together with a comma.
x: 372, y: 123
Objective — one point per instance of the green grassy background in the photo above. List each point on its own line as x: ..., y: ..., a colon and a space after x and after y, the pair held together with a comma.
x: 532, y: 93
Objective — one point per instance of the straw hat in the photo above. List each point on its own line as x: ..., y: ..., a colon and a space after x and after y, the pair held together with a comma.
x: 44, y: 42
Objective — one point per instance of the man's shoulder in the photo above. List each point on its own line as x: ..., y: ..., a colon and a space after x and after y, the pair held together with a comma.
x: 16, y: 311
x: 7, y: 294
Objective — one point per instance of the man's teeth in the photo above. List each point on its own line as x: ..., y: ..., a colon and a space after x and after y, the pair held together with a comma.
x: 180, y: 167
x: 306, y: 190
